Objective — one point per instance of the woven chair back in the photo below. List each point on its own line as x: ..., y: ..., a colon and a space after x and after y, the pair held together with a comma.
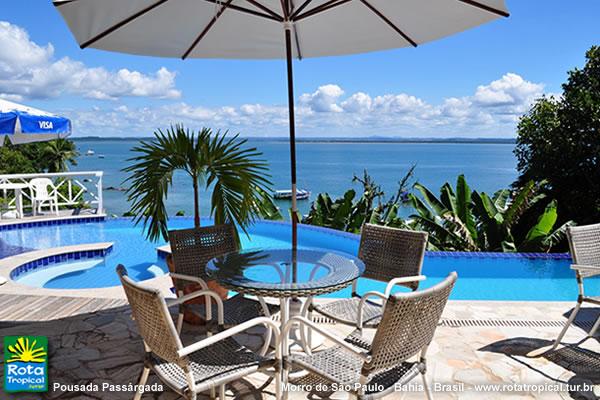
x: 585, y: 244
x: 193, y: 248
x: 392, y: 253
x: 153, y: 320
x: 408, y: 324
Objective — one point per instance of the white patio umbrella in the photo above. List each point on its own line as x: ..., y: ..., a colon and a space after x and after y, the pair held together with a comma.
x: 23, y: 124
x: 268, y: 29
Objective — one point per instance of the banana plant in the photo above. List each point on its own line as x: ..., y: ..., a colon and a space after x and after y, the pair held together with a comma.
x: 465, y: 220
x: 449, y: 218
x: 348, y: 214
x: 336, y: 214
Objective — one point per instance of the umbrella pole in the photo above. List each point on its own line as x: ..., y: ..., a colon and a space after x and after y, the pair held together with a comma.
x: 290, y: 83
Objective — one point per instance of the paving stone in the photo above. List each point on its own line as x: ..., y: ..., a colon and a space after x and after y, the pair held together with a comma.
x: 115, y: 330
x: 67, y: 340
x: 109, y: 349
x: 108, y: 363
x: 80, y: 326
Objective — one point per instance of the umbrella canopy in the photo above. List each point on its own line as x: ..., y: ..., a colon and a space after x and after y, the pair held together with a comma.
x: 22, y: 124
x: 264, y: 29
x: 253, y: 29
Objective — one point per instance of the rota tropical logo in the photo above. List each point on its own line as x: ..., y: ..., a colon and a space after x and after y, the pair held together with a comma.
x: 25, y: 364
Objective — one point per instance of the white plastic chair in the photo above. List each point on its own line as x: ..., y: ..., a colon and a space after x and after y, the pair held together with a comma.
x: 41, y: 196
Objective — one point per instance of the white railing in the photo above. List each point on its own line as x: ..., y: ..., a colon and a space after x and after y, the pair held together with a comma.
x: 72, y: 189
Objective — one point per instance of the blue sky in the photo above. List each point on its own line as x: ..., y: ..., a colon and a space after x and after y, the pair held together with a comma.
x: 473, y: 84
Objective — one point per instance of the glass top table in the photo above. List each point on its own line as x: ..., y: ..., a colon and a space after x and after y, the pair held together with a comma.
x: 285, y: 273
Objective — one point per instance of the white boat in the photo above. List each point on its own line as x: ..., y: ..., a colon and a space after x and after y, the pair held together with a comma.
x: 90, y: 152
x: 301, y: 194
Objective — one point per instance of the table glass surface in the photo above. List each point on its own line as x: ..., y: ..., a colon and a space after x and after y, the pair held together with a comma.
x: 275, y: 270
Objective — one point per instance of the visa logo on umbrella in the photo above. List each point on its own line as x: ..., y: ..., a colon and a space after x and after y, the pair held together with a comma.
x: 46, y: 124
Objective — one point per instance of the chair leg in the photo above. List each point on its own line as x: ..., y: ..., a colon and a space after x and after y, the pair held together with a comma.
x: 222, y: 392
x: 426, y: 386
x: 213, y: 393
x: 180, y: 321
x: 278, y: 380
x: 569, y: 322
x: 284, y: 380
x: 595, y: 327
x: 143, y: 379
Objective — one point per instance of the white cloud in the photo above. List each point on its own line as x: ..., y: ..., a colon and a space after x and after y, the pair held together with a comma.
x: 28, y: 70
x: 323, y: 100
x: 492, y: 110
x: 510, y: 90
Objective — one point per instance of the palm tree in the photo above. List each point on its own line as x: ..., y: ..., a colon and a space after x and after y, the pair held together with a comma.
x: 235, y: 173
x: 57, y: 154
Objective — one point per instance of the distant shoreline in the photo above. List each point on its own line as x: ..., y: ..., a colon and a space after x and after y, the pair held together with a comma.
x: 335, y: 140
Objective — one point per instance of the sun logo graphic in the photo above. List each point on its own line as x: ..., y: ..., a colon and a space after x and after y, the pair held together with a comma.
x: 25, y: 364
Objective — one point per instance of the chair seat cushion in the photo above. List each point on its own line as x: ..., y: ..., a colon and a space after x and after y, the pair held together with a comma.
x: 212, y: 366
x: 346, y: 311
x: 344, y: 368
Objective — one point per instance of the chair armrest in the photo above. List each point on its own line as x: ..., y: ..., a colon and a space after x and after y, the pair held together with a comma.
x: 336, y: 339
x: 404, y: 279
x: 198, y: 293
x: 586, y: 270
x: 361, y: 306
x: 189, y: 278
x: 267, y: 322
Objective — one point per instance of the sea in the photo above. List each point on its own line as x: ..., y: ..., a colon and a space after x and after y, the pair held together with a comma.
x: 324, y: 166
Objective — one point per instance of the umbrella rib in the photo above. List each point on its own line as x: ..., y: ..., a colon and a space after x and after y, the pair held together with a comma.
x: 246, y: 10
x: 390, y: 23
x: 296, y: 34
x: 122, y: 23
x: 319, y: 9
x: 300, y: 9
x: 486, y: 7
x: 286, y: 9
x: 265, y: 9
x: 64, y: 3
x: 206, y: 29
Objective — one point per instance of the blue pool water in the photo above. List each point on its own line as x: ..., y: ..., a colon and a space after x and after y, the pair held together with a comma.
x: 481, y: 276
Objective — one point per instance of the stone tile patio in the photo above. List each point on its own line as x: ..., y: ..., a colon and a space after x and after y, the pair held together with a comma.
x: 477, y: 343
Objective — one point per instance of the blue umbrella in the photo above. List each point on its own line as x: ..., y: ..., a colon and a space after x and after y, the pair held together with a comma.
x: 22, y: 124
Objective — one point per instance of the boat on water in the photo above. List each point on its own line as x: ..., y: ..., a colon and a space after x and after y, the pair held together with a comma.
x: 90, y: 152
x: 301, y: 194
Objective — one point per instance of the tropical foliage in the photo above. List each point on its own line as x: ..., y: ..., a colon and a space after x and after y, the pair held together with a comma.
x: 349, y: 213
x: 52, y: 156
x: 458, y: 219
x: 235, y: 175
x: 467, y: 220
x: 558, y: 143
x: 58, y: 154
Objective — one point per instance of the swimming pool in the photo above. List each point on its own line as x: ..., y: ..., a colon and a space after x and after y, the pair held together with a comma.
x: 482, y: 276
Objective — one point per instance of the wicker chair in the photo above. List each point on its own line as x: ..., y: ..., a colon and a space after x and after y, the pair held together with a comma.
x: 206, y: 365
x: 191, y: 250
x: 584, y: 242
x: 390, y: 255
x: 406, y: 330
